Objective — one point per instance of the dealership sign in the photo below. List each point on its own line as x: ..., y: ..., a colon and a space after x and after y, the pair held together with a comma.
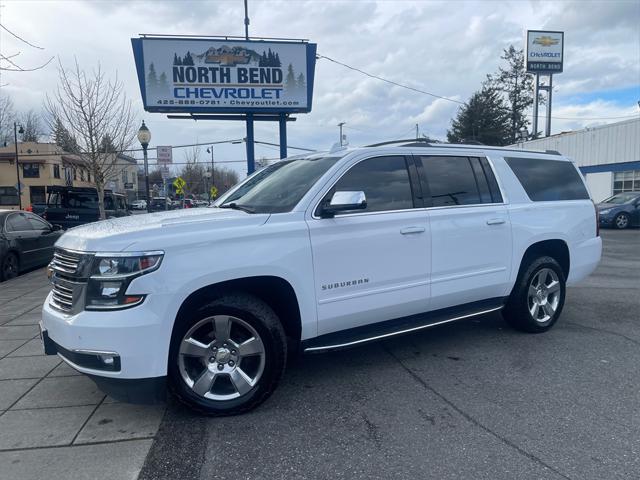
x: 224, y: 76
x: 545, y: 51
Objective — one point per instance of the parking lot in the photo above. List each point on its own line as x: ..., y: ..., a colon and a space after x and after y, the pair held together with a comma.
x: 471, y: 400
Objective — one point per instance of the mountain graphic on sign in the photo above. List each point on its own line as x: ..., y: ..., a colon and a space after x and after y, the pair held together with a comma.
x: 229, y: 56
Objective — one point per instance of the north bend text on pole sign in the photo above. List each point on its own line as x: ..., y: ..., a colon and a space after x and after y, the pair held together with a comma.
x: 224, y: 76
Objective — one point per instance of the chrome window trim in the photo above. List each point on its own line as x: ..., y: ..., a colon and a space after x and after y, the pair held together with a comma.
x: 491, y: 165
x: 127, y: 254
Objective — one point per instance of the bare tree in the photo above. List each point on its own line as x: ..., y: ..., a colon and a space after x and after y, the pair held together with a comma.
x: 7, y: 117
x: 97, y: 113
x: 31, y: 126
x: 193, y: 172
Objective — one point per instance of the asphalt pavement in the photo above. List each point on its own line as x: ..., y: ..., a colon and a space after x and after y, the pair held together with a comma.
x: 471, y: 400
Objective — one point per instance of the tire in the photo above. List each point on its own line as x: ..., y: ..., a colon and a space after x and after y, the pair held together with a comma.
x: 532, y: 307
x: 621, y: 221
x: 10, y: 267
x: 207, y: 369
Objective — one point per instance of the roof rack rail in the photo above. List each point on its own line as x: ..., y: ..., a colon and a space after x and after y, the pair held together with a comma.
x: 424, y: 141
x: 553, y: 152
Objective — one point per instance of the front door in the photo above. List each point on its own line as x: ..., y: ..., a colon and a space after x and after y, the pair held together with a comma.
x: 372, y: 265
x: 18, y: 228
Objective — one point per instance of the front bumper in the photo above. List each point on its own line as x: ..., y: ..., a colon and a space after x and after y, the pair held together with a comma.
x: 131, y: 390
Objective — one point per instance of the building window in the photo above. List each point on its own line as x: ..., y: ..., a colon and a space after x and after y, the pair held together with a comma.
x: 30, y: 170
x: 88, y: 175
x: 82, y: 174
x: 56, y: 171
x: 75, y: 174
x: 8, y: 196
x: 37, y: 195
x: 124, y: 176
x: 626, y: 181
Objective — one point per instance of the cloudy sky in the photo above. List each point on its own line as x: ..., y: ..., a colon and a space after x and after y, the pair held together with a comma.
x: 442, y: 47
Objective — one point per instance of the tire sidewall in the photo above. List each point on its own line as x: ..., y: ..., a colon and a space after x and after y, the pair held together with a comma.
x: 5, y: 259
x: 273, y: 340
x: 518, y: 305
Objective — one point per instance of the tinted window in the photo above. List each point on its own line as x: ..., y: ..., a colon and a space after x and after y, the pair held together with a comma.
x: 77, y: 200
x: 452, y: 181
x: 37, y: 223
x: 8, y: 196
x: 16, y: 222
x: 548, y: 180
x: 496, y: 196
x: 384, y: 181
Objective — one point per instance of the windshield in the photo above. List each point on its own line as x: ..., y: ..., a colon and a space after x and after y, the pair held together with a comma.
x: 621, y: 198
x: 279, y: 187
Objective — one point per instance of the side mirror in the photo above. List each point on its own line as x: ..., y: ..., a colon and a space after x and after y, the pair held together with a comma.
x: 344, y: 201
x: 55, y: 227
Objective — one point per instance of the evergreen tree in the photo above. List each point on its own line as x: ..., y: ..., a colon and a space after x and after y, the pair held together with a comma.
x: 176, y: 59
x: 163, y: 85
x: 300, y: 83
x: 516, y: 87
x: 152, y: 79
x: 276, y: 61
x: 188, y: 59
x: 63, y: 138
x: 290, y: 81
x: 263, y: 59
x: 484, y: 118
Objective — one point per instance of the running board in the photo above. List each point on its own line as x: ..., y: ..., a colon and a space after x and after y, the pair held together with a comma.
x: 400, y: 326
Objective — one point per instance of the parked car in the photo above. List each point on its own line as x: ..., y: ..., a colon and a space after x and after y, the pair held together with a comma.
x: 73, y: 206
x: 37, y: 208
x: 188, y: 203
x: 621, y: 211
x: 26, y: 241
x: 139, y: 205
x: 318, y: 253
x: 159, y: 204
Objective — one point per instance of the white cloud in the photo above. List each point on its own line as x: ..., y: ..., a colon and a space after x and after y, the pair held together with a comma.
x: 443, y: 47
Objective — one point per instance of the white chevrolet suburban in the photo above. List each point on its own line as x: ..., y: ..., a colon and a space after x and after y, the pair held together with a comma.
x: 315, y: 253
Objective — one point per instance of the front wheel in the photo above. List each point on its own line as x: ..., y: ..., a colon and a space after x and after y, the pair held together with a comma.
x: 9, y: 266
x: 538, y: 297
x: 227, y: 357
x: 621, y: 221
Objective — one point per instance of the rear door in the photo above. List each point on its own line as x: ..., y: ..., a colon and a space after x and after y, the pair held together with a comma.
x: 372, y: 265
x: 470, y: 230
x: 19, y: 229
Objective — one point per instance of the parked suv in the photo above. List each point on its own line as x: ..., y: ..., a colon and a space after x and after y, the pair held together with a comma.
x: 318, y: 252
x: 73, y: 206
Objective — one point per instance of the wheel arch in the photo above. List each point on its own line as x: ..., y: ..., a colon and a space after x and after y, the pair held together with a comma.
x: 275, y: 291
x: 555, y: 248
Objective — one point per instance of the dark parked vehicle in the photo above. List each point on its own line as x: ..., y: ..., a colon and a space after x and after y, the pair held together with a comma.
x: 73, y: 206
x: 622, y: 210
x: 26, y: 241
x: 159, y: 204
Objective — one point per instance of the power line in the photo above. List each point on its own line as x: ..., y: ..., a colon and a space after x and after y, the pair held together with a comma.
x: 451, y: 99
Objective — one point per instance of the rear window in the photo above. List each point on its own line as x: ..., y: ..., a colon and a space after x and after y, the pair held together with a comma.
x: 548, y: 180
x: 75, y: 200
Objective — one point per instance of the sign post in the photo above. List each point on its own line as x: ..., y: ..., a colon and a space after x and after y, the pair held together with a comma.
x: 545, y: 55
x: 227, y: 78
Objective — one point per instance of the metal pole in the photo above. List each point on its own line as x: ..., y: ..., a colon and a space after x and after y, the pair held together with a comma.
x: 549, y: 99
x: 283, y: 135
x: 535, y: 107
x: 146, y: 177
x: 251, y: 160
x: 246, y: 20
x: 417, y: 132
x: 340, y: 125
x: 15, y: 140
x: 212, y: 170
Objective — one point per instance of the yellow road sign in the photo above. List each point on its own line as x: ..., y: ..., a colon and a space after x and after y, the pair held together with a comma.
x: 213, y: 192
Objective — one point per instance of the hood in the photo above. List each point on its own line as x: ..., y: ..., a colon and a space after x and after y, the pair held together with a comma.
x: 606, y: 206
x: 118, y: 233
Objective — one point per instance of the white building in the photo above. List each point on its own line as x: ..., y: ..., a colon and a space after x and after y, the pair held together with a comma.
x: 608, y: 155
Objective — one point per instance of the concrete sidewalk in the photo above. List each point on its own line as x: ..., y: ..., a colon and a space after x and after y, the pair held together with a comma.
x: 55, y: 422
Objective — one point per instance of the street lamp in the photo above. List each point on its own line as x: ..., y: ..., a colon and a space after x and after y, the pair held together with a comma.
x: 15, y: 141
x: 524, y: 135
x: 210, y: 150
x: 144, y: 137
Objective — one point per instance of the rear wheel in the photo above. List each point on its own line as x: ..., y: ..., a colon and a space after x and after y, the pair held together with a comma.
x: 621, y: 221
x: 9, y: 267
x: 538, y: 296
x: 227, y: 357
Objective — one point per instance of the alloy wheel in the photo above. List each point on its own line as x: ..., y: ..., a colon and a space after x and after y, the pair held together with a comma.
x: 544, y: 295
x: 622, y: 221
x: 221, y: 357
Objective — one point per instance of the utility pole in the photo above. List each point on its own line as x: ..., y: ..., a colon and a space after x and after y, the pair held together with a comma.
x: 340, y: 125
x: 417, y: 132
x: 15, y: 141
x: 210, y: 150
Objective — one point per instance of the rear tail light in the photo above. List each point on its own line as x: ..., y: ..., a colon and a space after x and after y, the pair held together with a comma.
x: 29, y: 208
x: 597, y: 218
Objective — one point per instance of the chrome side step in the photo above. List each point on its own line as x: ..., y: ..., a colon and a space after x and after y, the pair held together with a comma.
x: 373, y: 337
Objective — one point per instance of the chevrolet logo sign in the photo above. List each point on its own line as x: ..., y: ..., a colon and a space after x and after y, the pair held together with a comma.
x: 546, y: 41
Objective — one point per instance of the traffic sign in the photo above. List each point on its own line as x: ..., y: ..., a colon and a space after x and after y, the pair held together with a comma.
x: 213, y: 192
x: 179, y: 183
x: 164, y: 155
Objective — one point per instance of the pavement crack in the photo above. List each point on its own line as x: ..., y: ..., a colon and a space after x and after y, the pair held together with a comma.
x: 604, y: 330
x: 473, y: 420
x: 373, y: 430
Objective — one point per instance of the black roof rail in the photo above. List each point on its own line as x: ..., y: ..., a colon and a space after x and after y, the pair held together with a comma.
x: 422, y: 141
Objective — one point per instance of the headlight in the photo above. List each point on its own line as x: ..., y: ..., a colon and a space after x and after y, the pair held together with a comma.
x: 604, y: 212
x: 111, y: 275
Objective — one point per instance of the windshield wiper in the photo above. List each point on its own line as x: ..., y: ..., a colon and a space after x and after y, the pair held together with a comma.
x: 236, y: 206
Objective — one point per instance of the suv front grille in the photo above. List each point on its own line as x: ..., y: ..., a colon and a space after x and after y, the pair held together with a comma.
x: 69, y: 279
x: 65, y: 262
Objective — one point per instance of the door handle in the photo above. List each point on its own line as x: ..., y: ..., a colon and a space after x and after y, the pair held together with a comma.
x: 410, y: 230
x: 495, y: 221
